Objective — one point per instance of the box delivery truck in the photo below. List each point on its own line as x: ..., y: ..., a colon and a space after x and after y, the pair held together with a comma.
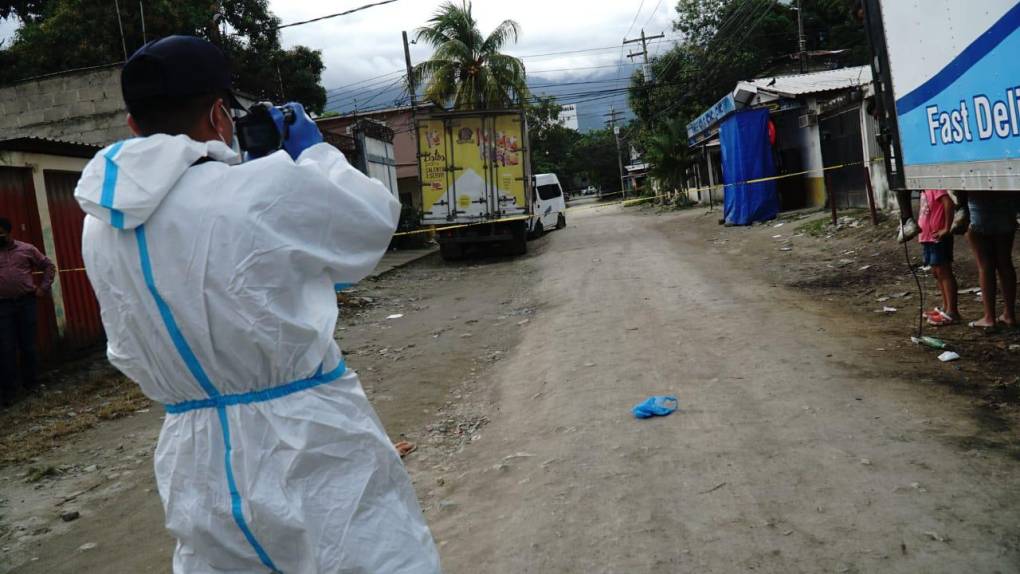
x: 947, y: 77
x: 476, y: 179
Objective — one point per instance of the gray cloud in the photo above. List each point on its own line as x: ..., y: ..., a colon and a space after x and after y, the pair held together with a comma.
x: 367, y: 44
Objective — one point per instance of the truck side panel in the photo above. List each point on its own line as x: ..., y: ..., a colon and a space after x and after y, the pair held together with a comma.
x: 955, y: 75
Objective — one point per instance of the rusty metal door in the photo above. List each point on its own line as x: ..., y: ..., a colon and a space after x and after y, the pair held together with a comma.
x: 83, y: 325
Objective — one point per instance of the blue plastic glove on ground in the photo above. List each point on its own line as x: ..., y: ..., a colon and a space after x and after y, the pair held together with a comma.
x: 655, y: 407
x: 300, y: 135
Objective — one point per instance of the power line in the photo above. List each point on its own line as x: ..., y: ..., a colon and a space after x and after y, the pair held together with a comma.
x: 349, y: 94
x: 583, y: 68
x: 344, y: 13
x: 607, y: 48
x: 384, y: 90
x: 652, y: 15
x: 372, y: 80
x: 381, y: 79
x: 634, y: 21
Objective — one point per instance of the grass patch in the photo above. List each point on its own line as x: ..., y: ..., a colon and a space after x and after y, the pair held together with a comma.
x: 39, y: 473
x: 816, y: 228
x: 69, y: 407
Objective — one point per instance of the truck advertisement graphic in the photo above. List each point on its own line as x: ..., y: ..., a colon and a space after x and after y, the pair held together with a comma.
x: 475, y: 168
x: 433, y: 154
x: 952, y: 70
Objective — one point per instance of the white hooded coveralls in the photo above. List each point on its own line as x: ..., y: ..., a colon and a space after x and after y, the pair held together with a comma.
x: 216, y: 284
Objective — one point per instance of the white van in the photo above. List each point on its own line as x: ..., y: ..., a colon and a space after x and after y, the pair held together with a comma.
x: 549, y: 205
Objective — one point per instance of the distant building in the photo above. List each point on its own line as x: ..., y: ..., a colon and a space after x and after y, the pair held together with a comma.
x: 568, y: 117
x: 824, y: 138
x: 404, y: 146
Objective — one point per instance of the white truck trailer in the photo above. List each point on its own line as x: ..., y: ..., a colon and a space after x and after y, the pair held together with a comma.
x: 947, y: 73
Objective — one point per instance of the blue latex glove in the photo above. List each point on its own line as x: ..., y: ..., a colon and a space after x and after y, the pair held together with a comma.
x: 300, y: 135
x: 655, y: 407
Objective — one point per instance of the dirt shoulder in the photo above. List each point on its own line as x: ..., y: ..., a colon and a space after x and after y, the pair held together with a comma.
x: 798, y: 447
x: 858, y: 269
x: 422, y: 339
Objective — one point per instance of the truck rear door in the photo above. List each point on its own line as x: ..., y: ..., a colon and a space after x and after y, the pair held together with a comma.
x: 470, y: 185
x: 509, y: 165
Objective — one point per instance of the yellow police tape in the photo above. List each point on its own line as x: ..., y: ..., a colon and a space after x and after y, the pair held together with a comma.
x: 643, y: 199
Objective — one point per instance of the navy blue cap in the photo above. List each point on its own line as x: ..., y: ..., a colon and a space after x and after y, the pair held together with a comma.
x: 176, y: 66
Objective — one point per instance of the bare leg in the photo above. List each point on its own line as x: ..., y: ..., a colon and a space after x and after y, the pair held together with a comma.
x: 940, y: 280
x: 986, y: 276
x: 950, y: 291
x: 1007, y: 277
x: 906, y: 207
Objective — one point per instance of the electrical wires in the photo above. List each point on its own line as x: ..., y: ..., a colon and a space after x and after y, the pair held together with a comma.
x: 344, y: 13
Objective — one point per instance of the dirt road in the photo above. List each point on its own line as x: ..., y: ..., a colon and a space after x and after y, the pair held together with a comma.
x: 797, y: 448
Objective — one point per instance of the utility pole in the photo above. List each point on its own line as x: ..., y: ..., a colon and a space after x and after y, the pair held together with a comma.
x: 616, y: 133
x: 141, y: 11
x: 413, y: 92
x: 644, y: 49
x: 410, y: 74
x: 279, y: 78
x: 801, y: 39
x: 120, y: 24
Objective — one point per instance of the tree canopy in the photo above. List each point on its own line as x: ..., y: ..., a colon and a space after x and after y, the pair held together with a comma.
x: 468, y: 70
x: 723, y: 42
x: 57, y: 35
x: 551, y: 142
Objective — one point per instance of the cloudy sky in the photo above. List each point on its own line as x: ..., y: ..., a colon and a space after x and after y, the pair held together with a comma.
x: 360, y: 49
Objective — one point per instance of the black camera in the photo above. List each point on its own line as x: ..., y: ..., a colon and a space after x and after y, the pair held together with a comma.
x: 257, y: 132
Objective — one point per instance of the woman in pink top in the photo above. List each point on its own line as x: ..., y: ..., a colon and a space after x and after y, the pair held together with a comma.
x: 936, y: 222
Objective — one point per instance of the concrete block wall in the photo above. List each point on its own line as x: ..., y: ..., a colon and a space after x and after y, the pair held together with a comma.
x: 83, y: 106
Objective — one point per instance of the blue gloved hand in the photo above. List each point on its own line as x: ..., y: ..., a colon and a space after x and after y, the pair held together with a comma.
x: 300, y: 135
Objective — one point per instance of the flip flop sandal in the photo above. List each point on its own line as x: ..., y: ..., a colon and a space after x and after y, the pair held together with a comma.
x: 941, y: 320
x: 405, y: 448
x: 974, y: 325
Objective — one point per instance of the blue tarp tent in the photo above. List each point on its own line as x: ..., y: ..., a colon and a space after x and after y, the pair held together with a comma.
x: 747, y: 155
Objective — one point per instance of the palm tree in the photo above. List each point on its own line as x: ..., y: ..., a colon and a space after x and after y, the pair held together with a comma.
x: 466, y: 68
x: 667, y: 152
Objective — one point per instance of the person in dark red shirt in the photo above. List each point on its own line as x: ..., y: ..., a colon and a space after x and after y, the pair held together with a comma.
x: 18, y: 293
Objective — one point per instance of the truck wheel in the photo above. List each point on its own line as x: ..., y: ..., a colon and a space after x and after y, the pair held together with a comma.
x: 538, y: 231
x: 451, y: 251
x: 561, y: 221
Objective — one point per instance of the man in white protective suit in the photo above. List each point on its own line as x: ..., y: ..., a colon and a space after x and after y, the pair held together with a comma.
x: 216, y: 282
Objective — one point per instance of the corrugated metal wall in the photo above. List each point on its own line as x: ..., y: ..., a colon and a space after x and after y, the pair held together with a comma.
x: 17, y: 203
x: 83, y: 325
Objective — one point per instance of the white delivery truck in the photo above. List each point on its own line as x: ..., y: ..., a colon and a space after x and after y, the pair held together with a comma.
x: 947, y: 77
x: 476, y: 179
x: 548, y: 205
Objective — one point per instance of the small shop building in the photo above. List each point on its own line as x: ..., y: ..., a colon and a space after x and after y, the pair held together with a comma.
x: 814, y: 138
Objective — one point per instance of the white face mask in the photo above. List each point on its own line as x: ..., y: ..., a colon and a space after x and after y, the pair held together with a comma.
x: 234, y: 145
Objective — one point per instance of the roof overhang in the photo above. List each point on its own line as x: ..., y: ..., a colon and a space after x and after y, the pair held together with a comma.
x: 50, y: 147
